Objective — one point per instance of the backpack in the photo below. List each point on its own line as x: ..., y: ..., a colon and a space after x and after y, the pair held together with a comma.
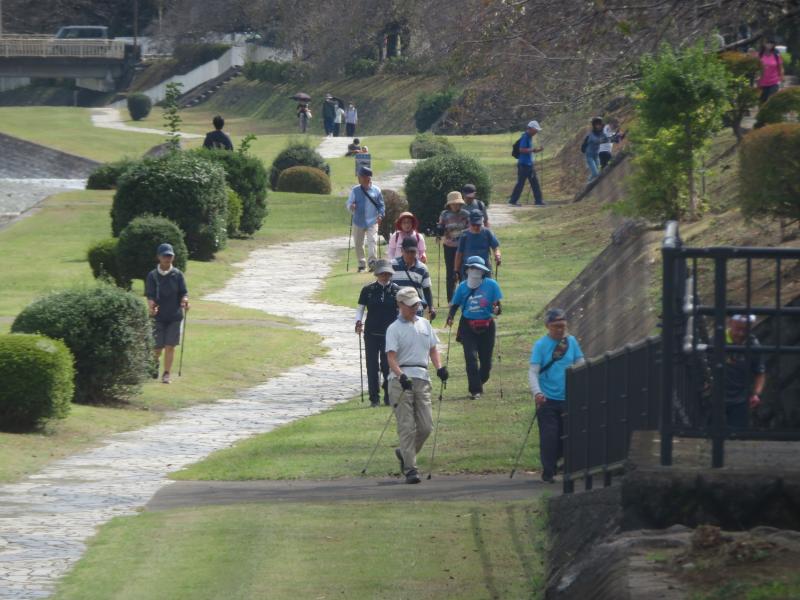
x: 515, y: 148
x: 585, y: 144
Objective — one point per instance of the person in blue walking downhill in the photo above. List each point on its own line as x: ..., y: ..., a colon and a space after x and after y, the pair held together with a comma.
x: 476, y: 241
x: 368, y: 209
x: 525, y: 170
x: 478, y: 297
x: 591, y: 147
x: 547, y: 375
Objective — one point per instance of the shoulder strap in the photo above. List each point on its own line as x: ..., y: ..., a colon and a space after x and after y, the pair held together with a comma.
x: 370, y: 198
x: 553, y: 360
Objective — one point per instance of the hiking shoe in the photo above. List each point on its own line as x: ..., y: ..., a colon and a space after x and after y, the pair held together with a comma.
x: 540, y: 204
x: 165, y: 377
x: 513, y: 203
x: 548, y: 477
x: 399, y: 456
x: 374, y: 403
x: 412, y: 476
x: 476, y: 396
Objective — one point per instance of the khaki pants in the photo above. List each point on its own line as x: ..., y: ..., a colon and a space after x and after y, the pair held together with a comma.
x: 371, y: 234
x: 414, y: 417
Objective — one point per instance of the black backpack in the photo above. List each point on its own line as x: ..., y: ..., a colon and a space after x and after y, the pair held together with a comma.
x: 585, y: 144
x: 515, y: 149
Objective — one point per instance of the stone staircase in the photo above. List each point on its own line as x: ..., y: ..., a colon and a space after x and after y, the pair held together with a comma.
x: 203, y: 92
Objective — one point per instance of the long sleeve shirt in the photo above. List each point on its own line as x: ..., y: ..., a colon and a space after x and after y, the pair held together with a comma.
x: 368, y: 204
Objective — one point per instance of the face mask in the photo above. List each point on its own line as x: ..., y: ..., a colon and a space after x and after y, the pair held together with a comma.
x: 474, y: 278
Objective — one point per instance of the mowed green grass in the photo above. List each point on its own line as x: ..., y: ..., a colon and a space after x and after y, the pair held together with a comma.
x: 421, y: 550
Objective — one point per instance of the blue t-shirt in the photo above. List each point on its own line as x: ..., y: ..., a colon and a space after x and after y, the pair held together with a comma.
x: 476, y: 244
x: 553, y: 382
x: 478, y: 303
x: 525, y: 158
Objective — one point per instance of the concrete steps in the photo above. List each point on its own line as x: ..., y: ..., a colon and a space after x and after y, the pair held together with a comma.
x: 203, y: 92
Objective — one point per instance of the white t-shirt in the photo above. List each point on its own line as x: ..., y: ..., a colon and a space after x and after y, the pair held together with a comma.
x: 412, y: 341
x: 339, y: 115
x: 608, y: 145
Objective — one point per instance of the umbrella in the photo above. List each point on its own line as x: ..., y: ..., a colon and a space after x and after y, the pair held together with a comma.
x: 301, y: 97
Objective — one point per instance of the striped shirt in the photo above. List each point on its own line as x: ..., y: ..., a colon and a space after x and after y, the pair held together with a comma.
x: 416, y: 276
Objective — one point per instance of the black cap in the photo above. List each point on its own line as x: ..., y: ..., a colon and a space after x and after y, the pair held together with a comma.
x: 365, y: 172
x: 469, y: 189
x: 555, y: 314
x: 476, y: 217
x: 409, y: 243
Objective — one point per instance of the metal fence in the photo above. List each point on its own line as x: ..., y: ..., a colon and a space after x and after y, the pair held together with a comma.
x: 49, y: 47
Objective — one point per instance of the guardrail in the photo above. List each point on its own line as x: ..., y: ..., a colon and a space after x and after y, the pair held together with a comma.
x: 16, y: 46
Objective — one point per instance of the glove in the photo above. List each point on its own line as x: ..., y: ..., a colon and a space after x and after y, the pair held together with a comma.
x: 442, y: 373
x: 405, y: 382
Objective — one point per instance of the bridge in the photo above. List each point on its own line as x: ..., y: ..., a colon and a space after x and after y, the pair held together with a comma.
x: 94, y: 64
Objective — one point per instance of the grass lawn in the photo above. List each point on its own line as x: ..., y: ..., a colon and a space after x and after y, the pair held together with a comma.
x: 356, y: 550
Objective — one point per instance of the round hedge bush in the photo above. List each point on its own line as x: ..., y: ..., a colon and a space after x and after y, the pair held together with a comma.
x: 778, y: 106
x: 769, y: 172
x: 108, y: 332
x: 247, y: 177
x: 37, y: 376
x: 139, y: 242
x: 183, y: 187
x: 234, y: 213
x: 139, y: 106
x: 429, y: 182
x: 304, y: 180
x: 102, y: 258
x: 395, y: 204
x: 296, y: 155
x: 105, y: 177
x: 426, y: 145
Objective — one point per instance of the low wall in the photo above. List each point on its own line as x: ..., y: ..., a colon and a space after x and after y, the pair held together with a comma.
x: 22, y: 159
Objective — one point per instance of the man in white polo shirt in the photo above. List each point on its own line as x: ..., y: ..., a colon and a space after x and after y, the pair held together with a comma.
x: 410, y: 342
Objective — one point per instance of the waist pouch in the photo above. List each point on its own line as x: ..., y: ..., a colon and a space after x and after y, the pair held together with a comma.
x: 479, y: 325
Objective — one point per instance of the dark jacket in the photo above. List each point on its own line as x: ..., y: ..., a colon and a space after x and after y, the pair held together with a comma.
x: 328, y: 110
x: 166, y: 291
x: 217, y: 139
x: 381, y: 303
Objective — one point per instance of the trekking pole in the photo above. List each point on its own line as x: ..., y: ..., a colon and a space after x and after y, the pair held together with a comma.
x: 524, y: 442
x: 361, y: 366
x: 438, y: 272
x: 364, y: 470
x: 349, y: 240
x: 183, y: 340
x: 497, y: 338
x: 439, y: 410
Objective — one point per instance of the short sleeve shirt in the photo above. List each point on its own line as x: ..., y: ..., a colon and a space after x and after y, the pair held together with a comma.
x: 553, y: 382
x: 477, y: 244
x: 478, y: 303
x: 412, y: 341
x: 525, y: 158
x: 739, y: 372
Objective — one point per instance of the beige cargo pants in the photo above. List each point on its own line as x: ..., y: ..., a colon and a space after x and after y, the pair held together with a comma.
x: 414, y: 417
x: 371, y: 234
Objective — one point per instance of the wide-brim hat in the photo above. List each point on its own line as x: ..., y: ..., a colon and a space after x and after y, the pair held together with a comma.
x: 476, y: 262
x: 408, y: 296
x: 454, y: 198
x: 383, y: 266
x: 406, y: 215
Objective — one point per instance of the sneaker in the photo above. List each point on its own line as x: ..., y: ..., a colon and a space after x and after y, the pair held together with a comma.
x: 362, y: 269
x: 165, y: 377
x: 412, y: 476
x: 548, y: 477
x: 540, y: 204
x: 476, y: 396
x: 513, y: 203
x: 399, y: 456
x: 374, y: 404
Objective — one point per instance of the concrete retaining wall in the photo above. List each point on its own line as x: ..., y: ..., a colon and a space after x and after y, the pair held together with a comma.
x: 21, y: 159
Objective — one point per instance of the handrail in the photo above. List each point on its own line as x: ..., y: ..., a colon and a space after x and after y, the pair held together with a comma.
x: 28, y: 47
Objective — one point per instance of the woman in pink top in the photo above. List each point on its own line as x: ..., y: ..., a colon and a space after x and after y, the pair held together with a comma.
x: 406, y: 226
x: 771, y: 70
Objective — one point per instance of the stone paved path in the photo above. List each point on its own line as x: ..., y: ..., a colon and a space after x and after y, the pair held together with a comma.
x: 46, y: 519
x: 110, y: 118
x: 334, y: 147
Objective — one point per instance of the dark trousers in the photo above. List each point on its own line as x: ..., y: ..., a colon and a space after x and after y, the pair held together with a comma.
x: 526, y: 173
x: 450, y: 270
x: 768, y: 91
x: 737, y: 414
x: 551, y: 428
x: 375, y: 349
x: 328, y: 124
x: 605, y: 158
x: 336, y: 128
x: 478, y: 350
x: 350, y: 129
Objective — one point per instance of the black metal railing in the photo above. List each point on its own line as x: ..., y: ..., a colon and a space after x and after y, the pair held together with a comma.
x: 608, y: 398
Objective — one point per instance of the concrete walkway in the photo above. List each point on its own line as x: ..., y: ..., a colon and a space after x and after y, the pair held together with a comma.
x: 334, y: 147
x: 110, y: 118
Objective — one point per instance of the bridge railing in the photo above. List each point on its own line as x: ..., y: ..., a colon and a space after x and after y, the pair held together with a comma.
x: 16, y: 46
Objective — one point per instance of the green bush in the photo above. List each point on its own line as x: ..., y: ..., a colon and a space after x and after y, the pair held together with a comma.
x: 296, y: 155
x: 270, y: 71
x: 304, y: 180
x: 361, y: 67
x: 247, y: 177
x: 429, y: 182
x: 425, y: 145
x: 234, y: 213
x: 139, y: 106
x: 741, y: 95
x: 37, y: 376
x: 139, y: 242
x: 102, y: 258
x: 403, y: 65
x: 778, y: 106
x: 769, y: 172
x: 105, y: 177
x: 108, y: 332
x: 432, y: 106
x: 395, y: 204
x: 183, y: 187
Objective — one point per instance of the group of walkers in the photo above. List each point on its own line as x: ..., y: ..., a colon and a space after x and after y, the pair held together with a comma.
x: 598, y: 145
x: 335, y: 116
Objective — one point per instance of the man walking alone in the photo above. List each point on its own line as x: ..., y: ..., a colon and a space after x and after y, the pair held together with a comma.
x: 525, y: 170
x: 367, y: 207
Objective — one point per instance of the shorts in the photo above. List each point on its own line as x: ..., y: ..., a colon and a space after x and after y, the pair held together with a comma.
x: 166, y: 334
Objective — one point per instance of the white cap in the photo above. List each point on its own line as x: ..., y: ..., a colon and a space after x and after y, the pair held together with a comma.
x: 408, y: 296
x: 744, y: 318
x: 534, y: 125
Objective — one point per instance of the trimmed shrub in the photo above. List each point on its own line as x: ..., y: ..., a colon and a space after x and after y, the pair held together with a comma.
x: 778, y: 106
x: 270, y: 71
x: 247, y: 177
x: 432, y: 106
x: 429, y: 182
x: 139, y: 241
x: 183, y: 187
x: 304, y: 180
x: 425, y: 145
x: 234, y: 213
x: 139, y: 106
x: 769, y: 172
x: 102, y: 257
x: 296, y: 155
x: 37, y: 376
x: 105, y: 177
x: 361, y: 67
x: 108, y: 332
x: 395, y: 204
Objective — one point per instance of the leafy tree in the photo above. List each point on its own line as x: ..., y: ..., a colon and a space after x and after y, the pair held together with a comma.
x: 741, y: 95
x: 172, y: 120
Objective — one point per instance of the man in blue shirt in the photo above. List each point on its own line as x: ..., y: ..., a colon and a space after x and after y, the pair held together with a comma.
x: 550, y: 357
x: 479, y: 299
x: 368, y: 209
x: 525, y: 170
x: 476, y: 241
